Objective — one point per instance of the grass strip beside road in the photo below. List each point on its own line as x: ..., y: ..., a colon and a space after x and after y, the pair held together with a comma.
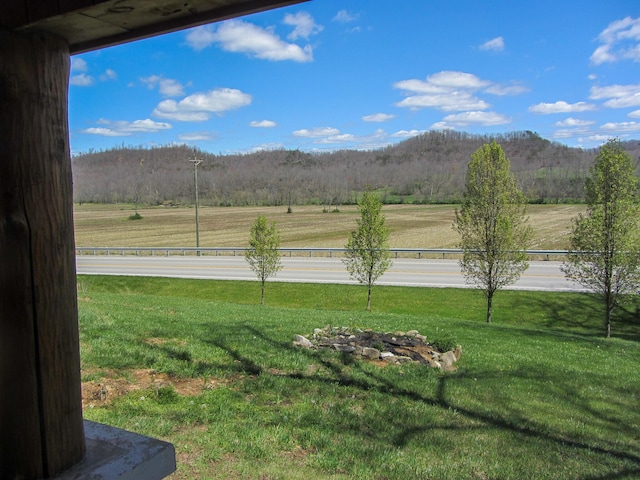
x: 538, y: 394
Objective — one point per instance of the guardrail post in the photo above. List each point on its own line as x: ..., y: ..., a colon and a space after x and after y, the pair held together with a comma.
x: 545, y: 254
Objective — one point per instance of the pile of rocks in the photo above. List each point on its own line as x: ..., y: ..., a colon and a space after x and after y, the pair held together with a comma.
x: 395, y: 348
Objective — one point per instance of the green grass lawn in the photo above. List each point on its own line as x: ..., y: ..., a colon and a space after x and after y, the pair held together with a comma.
x: 537, y: 394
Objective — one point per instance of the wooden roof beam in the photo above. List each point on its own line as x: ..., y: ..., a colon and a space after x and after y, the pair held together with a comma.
x: 92, y: 24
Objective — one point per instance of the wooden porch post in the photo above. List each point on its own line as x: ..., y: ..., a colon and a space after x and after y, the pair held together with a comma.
x: 41, y: 426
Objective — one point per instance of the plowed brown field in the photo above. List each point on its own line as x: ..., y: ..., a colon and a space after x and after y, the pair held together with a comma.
x: 412, y: 226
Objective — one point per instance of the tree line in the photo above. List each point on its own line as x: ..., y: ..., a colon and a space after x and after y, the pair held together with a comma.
x: 494, y: 234
x: 428, y: 168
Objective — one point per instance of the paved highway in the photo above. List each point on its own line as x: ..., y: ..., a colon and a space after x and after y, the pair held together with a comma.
x: 406, y: 272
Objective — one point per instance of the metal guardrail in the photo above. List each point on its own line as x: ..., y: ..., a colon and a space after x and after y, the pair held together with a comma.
x: 294, y: 251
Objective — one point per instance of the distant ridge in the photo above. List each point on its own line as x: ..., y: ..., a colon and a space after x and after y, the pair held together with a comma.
x: 428, y: 168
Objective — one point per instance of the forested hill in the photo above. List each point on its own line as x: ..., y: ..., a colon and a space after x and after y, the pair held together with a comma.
x: 428, y: 168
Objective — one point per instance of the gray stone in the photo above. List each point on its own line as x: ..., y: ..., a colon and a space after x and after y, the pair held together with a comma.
x: 403, y: 359
x: 448, y: 359
x: 301, y: 341
x: 344, y: 348
x: 371, y: 353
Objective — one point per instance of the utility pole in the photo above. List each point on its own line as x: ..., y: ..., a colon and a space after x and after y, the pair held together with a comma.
x: 196, y: 162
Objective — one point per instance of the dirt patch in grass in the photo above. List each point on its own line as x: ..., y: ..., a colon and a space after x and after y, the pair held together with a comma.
x: 116, y: 384
x: 156, y: 341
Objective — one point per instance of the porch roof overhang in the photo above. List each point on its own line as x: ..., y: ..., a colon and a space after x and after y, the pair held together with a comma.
x: 92, y: 24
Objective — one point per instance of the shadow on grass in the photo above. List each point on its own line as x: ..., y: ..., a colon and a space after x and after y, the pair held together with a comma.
x: 504, y: 416
x: 584, y: 313
x: 181, y: 356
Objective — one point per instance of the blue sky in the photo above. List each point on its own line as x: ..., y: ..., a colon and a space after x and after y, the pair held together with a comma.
x: 328, y: 75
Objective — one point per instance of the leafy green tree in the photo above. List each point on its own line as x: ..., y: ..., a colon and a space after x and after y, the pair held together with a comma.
x: 605, y: 251
x: 492, y: 224
x: 367, y: 251
x: 263, y: 255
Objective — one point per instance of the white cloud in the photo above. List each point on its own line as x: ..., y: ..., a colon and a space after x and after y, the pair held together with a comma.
x: 168, y: 87
x: 465, y: 119
x: 81, y: 80
x: 619, y: 41
x: 317, y: 132
x: 501, y: 90
x: 572, y: 127
x: 243, y: 37
x: 407, y: 133
x: 304, y: 24
x: 200, y: 38
x: 561, y: 107
x: 620, y: 96
x: 123, y: 128
x: 340, y: 138
x: 375, y: 140
x: 452, y: 79
x: 378, y: 117
x: 451, y: 91
x: 146, y: 125
x: 443, y: 82
x: 105, y: 132
x: 264, y: 147
x: 345, y: 17
x: 78, y: 65
x: 599, y: 138
x: 451, y: 102
x: 569, y: 132
x: 263, y: 124
x: 621, y: 127
x: 441, y: 126
x: 199, y: 106
x: 108, y: 74
x: 420, y: 86
x: 495, y: 45
x: 635, y: 114
x: 196, y: 136
x: 333, y: 136
x: 574, y: 122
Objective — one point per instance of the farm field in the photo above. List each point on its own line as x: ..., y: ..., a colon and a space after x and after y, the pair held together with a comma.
x: 537, y: 394
x: 412, y: 226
